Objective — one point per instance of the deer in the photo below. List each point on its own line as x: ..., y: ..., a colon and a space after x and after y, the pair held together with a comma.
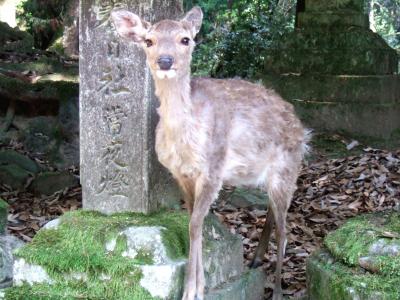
x: 213, y: 132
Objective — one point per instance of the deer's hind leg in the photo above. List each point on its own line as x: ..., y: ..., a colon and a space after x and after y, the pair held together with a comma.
x: 264, y: 241
x: 281, y: 185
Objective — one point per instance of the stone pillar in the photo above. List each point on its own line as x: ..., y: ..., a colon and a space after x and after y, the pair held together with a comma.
x: 119, y: 167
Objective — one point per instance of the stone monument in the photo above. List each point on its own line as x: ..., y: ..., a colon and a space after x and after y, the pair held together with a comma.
x: 337, y: 72
x: 119, y: 167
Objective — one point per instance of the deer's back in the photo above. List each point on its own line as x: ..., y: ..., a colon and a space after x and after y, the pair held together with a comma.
x: 253, y: 126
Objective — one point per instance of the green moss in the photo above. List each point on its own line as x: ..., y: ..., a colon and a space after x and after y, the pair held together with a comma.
x: 333, y: 280
x: 353, y: 240
x: 78, y: 246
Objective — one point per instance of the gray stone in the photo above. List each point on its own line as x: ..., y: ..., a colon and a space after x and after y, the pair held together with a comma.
x: 248, y: 286
x: 13, y: 157
x: 48, y: 183
x: 14, y: 176
x: 220, y: 266
x: 3, y: 215
x: 119, y: 167
x: 249, y: 198
x: 8, y: 244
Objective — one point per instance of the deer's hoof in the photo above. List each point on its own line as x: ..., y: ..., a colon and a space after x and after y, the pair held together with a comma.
x: 255, y: 263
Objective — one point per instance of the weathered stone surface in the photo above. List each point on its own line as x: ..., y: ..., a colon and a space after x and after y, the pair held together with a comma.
x: 3, y: 215
x: 321, y: 5
x: 333, y: 18
x: 248, y: 198
x: 248, y: 286
x: 8, y: 244
x: 361, y: 260
x: 145, y: 247
x: 119, y: 168
x: 361, y: 89
x: 350, y: 105
x: 350, y: 61
x: 13, y: 157
x: 13, y: 175
x: 220, y: 265
x: 48, y: 183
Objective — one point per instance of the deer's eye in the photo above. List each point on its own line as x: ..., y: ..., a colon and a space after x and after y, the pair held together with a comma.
x: 148, y: 42
x: 185, y: 41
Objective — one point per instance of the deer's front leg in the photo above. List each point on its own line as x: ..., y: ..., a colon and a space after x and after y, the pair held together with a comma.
x: 206, y: 192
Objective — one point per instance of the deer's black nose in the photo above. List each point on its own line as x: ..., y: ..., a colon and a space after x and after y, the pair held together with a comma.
x: 165, y: 62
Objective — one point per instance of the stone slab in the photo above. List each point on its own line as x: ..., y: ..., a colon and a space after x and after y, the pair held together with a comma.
x: 323, y: 5
x: 361, y: 89
x: 347, y: 61
x: 248, y: 286
x: 332, y: 18
x: 119, y: 167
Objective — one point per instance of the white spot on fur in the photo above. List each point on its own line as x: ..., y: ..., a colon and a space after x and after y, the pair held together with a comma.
x: 166, y: 74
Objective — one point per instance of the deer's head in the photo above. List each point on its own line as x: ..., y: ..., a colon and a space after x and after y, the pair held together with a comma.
x: 168, y: 44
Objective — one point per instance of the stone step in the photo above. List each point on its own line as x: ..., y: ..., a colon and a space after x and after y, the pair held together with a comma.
x: 332, y: 18
x: 249, y: 286
x: 368, y: 120
x: 317, y: 38
x: 323, y: 5
x: 375, y: 89
x: 162, y: 274
x: 348, y: 61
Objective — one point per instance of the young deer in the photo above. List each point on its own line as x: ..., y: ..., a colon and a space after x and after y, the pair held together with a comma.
x: 214, y: 131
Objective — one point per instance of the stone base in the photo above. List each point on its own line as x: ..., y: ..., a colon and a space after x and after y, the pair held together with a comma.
x: 360, y: 105
x: 361, y: 260
x: 129, y: 256
x: 249, y: 286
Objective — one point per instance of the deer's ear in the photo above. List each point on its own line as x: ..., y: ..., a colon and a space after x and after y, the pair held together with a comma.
x: 193, y: 19
x: 129, y: 25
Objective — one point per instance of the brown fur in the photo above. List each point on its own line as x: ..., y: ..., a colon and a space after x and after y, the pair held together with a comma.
x: 213, y: 132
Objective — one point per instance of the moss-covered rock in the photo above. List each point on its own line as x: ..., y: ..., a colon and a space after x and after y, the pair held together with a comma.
x: 48, y: 183
x: 86, y: 256
x: 361, y: 260
x: 13, y: 175
x: 89, y: 255
x: 13, y: 39
x: 13, y: 157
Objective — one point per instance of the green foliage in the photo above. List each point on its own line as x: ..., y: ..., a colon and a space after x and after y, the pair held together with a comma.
x: 236, y: 35
x: 42, y: 19
x: 385, y: 19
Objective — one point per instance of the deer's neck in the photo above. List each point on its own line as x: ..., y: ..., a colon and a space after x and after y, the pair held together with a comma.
x: 175, y: 101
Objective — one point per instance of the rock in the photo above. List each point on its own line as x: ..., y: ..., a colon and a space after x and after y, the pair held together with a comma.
x: 358, y: 262
x: 8, y: 244
x: 48, y: 183
x: 13, y: 175
x: 156, y: 247
x: 3, y: 215
x: 248, y: 286
x: 249, y: 198
x: 41, y: 135
x: 13, y: 157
